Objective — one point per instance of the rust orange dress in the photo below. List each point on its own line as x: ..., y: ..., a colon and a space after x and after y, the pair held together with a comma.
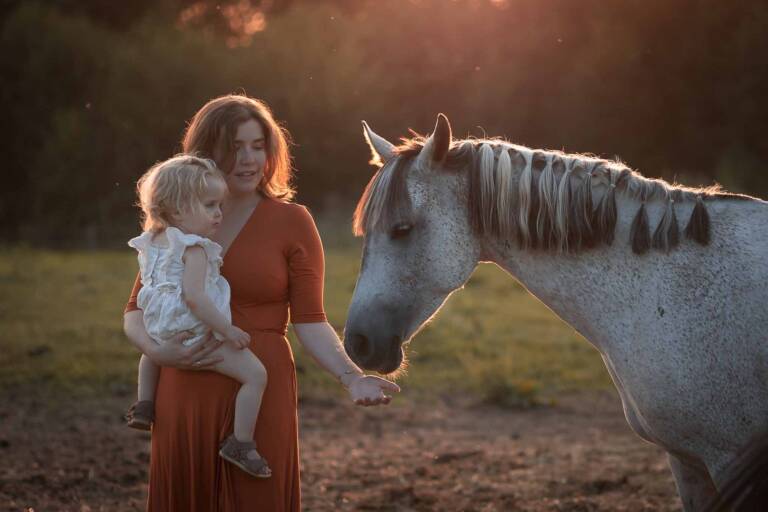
x: 274, y: 265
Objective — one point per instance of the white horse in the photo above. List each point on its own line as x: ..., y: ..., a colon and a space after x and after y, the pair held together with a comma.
x: 678, y: 312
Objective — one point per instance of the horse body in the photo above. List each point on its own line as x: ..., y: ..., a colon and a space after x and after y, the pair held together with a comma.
x: 682, y: 331
x: 681, y: 335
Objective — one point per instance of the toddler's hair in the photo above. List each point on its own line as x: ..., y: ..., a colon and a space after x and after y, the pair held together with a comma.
x: 175, y: 185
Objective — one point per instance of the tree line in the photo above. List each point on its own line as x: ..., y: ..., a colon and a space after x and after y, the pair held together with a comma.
x: 95, y: 92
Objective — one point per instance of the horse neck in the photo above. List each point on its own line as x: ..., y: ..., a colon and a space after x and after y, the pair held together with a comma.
x: 591, y: 290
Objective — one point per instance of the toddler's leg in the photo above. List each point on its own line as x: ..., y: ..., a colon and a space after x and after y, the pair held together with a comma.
x: 246, y: 368
x: 148, y: 375
x: 141, y: 415
x: 240, y: 449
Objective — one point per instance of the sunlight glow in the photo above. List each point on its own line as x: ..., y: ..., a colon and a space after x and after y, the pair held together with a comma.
x: 193, y: 13
x: 244, y: 21
x: 241, y: 17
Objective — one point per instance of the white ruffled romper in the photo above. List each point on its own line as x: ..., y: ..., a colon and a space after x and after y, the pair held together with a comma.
x: 160, y: 298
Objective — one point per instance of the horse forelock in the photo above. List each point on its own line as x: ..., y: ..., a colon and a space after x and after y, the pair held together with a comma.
x: 385, y: 199
x: 541, y: 198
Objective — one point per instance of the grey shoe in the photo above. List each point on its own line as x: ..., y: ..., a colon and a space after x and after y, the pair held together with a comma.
x: 141, y: 415
x: 236, y: 452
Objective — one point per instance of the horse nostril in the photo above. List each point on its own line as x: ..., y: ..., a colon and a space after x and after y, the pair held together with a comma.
x: 361, y: 347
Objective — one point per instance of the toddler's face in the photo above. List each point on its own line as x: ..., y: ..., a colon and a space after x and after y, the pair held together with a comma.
x: 204, y: 221
x: 250, y: 156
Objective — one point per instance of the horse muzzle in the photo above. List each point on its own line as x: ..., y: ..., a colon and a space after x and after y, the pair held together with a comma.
x: 381, y: 354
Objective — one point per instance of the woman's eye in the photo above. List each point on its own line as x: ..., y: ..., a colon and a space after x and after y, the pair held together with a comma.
x: 401, y: 230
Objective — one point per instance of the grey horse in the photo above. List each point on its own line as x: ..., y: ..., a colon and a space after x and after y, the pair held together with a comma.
x: 667, y: 282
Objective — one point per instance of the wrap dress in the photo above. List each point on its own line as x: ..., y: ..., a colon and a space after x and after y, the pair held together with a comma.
x: 275, y: 269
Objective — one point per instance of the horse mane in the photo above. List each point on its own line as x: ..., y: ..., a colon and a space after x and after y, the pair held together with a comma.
x: 542, y: 198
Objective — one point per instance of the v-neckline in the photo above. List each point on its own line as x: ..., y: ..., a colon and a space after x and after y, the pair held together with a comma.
x: 248, y: 220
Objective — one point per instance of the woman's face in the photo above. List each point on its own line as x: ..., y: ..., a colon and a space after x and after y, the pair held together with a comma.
x: 250, y: 157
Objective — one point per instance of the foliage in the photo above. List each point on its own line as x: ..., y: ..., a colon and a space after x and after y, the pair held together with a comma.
x: 94, y: 95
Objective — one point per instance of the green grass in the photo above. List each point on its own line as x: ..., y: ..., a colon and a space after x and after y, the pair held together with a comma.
x: 61, y: 319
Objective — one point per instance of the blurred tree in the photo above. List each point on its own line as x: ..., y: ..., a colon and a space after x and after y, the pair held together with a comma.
x: 95, y: 92
x: 116, y: 15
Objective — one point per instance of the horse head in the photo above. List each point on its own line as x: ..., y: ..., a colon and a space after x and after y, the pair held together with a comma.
x: 418, y: 246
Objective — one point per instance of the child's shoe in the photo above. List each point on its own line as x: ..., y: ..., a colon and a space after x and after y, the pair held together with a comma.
x: 141, y: 415
x: 236, y: 452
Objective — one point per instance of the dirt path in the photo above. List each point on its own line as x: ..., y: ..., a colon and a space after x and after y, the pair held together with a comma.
x: 578, y: 456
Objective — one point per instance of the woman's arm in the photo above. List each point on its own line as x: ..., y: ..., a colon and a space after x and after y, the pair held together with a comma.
x: 324, y: 345
x: 306, y: 269
x: 172, y: 353
x: 133, y: 325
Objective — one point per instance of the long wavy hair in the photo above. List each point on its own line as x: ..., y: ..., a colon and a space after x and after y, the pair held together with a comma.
x: 211, y: 134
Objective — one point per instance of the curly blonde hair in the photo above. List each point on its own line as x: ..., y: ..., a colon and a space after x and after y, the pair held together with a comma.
x: 174, y: 186
x: 211, y: 133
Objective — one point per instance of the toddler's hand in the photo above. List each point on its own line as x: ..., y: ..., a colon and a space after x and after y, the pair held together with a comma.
x: 237, y: 337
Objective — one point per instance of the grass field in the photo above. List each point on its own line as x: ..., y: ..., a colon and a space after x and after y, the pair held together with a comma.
x: 61, y: 319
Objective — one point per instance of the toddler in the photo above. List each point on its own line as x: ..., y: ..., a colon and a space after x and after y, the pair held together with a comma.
x: 183, y: 291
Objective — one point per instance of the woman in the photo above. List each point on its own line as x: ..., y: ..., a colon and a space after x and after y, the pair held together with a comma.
x: 274, y: 263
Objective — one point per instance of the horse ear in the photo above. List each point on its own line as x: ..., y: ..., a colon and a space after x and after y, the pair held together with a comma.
x: 381, y: 149
x: 437, y: 145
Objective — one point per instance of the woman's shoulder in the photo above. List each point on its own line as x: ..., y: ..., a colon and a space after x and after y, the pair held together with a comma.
x: 289, y: 212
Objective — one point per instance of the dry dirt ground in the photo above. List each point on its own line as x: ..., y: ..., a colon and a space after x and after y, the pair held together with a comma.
x: 576, y: 456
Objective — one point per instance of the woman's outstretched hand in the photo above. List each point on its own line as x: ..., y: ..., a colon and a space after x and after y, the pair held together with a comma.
x: 371, y: 390
x: 199, y: 356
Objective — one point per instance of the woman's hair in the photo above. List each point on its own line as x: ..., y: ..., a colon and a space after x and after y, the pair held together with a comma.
x: 211, y: 134
x: 174, y: 186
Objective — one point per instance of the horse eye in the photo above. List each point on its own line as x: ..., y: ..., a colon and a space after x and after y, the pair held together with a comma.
x: 401, y: 230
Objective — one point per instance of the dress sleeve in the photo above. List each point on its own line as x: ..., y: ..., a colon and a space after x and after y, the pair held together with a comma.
x: 181, y: 241
x: 132, y: 305
x: 306, y: 268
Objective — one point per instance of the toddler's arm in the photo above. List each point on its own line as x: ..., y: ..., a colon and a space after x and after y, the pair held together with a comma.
x: 193, y: 291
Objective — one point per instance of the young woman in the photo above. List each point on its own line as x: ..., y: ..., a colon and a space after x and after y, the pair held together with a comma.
x: 273, y: 261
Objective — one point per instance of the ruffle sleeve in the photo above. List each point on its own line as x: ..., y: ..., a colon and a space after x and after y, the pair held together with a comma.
x: 141, y: 242
x: 147, y: 256
x: 179, y: 241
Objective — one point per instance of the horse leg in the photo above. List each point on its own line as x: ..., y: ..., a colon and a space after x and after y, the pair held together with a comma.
x: 694, y: 485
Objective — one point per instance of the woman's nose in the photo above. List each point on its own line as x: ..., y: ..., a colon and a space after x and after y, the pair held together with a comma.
x: 247, y: 155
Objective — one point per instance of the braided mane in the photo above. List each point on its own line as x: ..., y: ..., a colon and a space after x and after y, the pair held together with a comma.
x: 545, y: 199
